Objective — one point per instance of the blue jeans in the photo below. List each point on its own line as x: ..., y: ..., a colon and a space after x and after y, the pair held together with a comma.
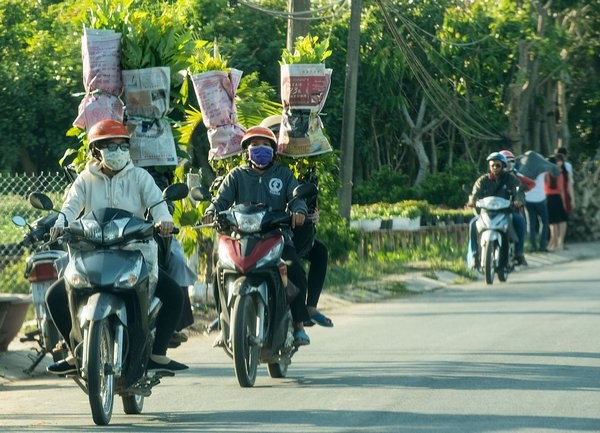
x: 537, y: 215
x: 520, y: 228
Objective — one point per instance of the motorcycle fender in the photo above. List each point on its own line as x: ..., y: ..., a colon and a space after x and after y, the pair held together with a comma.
x: 102, y: 305
x: 243, y: 286
x: 490, y: 236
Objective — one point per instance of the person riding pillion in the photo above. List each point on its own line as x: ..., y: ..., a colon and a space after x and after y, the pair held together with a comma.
x: 262, y: 180
x: 500, y: 182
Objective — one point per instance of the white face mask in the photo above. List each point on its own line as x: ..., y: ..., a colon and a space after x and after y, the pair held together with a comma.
x: 116, y: 159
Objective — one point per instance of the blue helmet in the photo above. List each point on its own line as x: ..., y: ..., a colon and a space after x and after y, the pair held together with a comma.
x: 498, y: 157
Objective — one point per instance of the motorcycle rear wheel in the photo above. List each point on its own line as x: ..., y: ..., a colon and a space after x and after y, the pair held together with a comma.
x: 244, y: 340
x: 101, y: 379
x: 490, y: 262
x: 133, y: 404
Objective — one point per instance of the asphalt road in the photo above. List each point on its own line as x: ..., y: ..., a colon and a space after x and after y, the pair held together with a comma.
x: 521, y: 356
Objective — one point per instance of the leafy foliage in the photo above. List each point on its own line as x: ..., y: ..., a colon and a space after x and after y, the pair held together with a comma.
x: 307, y: 49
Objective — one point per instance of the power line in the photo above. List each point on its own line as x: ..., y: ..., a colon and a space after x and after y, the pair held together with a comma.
x: 302, y: 15
x: 445, y: 104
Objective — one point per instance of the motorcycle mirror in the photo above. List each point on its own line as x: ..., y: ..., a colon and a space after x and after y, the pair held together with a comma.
x: 41, y: 201
x: 305, y: 190
x: 68, y: 159
x: 19, y: 221
x: 466, y: 188
x: 200, y: 193
x: 176, y: 191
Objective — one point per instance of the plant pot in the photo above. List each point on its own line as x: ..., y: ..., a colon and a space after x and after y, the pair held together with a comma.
x: 408, y: 224
x: 13, y: 308
x: 370, y: 225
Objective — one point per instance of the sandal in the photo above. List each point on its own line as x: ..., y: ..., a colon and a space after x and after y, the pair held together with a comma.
x: 322, y: 320
x: 301, y: 338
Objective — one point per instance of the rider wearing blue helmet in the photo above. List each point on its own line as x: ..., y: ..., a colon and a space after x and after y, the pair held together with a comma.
x: 498, y: 181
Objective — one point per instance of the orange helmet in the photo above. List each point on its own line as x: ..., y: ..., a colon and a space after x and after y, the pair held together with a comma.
x: 259, y: 131
x: 106, y: 129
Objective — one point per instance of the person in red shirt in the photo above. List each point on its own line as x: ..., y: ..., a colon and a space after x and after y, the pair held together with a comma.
x: 556, y: 188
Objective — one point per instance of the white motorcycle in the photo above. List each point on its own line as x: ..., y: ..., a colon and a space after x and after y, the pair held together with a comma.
x: 497, y: 237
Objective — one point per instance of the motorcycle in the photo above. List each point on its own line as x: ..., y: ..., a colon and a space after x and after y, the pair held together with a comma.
x: 112, y: 305
x: 251, y: 277
x: 42, y: 269
x: 497, y: 237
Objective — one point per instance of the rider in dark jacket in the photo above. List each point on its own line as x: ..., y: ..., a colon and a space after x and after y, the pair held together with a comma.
x: 501, y: 183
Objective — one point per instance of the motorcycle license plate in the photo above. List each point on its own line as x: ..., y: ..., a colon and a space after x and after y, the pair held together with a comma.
x: 38, y: 292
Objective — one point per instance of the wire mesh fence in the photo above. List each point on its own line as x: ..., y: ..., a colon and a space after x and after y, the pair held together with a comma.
x: 14, y: 191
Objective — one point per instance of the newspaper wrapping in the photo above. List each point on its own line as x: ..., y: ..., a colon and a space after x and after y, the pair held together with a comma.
x: 146, y: 93
x: 101, y: 56
x: 304, y: 89
x: 215, y: 91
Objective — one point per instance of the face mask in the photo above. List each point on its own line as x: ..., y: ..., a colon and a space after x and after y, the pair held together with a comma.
x: 260, y: 156
x: 115, y: 159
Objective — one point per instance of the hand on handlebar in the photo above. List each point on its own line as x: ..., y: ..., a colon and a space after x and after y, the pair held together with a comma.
x: 165, y: 228
x: 297, y: 219
x: 208, y: 218
x: 55, y: 232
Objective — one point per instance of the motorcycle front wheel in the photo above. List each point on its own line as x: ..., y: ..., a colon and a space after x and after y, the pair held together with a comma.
x: 245, y: 340
x: 101, y: 379
x: 277, y: 370
x: 490, y: 262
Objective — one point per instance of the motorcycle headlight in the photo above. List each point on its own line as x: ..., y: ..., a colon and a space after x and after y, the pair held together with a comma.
x: 272, y: 255
x: 130, y: 277
x: 249, y: 223
x: 111, y: 231
x: 225, y: 259
x: 74, y: 277
x: 92, y: 230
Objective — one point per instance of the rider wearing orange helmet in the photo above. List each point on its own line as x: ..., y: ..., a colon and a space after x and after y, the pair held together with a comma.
x: 111, y: 180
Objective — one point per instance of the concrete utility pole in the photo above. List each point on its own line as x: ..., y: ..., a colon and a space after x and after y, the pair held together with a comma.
x: 349, y: 117
x: 297, y: 27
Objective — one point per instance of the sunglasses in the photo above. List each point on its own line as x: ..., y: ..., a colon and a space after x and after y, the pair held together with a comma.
x: 113, y: 146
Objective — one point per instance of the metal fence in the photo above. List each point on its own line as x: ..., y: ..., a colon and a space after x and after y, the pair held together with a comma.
x: 14, y: 190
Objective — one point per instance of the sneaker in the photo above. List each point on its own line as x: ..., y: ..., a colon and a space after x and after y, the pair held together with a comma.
x: 170, y: 366
x: 520, y: 261
x: 61, y: 367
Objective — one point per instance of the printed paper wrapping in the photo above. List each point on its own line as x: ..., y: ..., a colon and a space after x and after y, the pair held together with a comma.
x: 215, y: 91
x: 101, y: 56
x: 152, y: 142
x: 304, y: 89
x: 146, y: 93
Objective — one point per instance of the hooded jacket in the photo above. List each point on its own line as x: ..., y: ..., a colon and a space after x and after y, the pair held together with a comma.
x: 132, y: 189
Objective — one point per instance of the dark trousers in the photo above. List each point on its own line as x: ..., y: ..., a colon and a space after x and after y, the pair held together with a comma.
x: 297, y: 276
x: 167, y: 291
x: 317, y: 257
x: 537, y: 224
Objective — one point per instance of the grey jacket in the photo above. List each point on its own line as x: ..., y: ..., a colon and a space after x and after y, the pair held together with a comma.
x: 244, y: 185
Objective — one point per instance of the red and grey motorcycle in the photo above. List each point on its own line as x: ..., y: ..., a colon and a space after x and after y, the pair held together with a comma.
x: 251, y: 276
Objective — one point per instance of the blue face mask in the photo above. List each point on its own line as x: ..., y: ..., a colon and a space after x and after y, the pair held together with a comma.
x: 260, y: 156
